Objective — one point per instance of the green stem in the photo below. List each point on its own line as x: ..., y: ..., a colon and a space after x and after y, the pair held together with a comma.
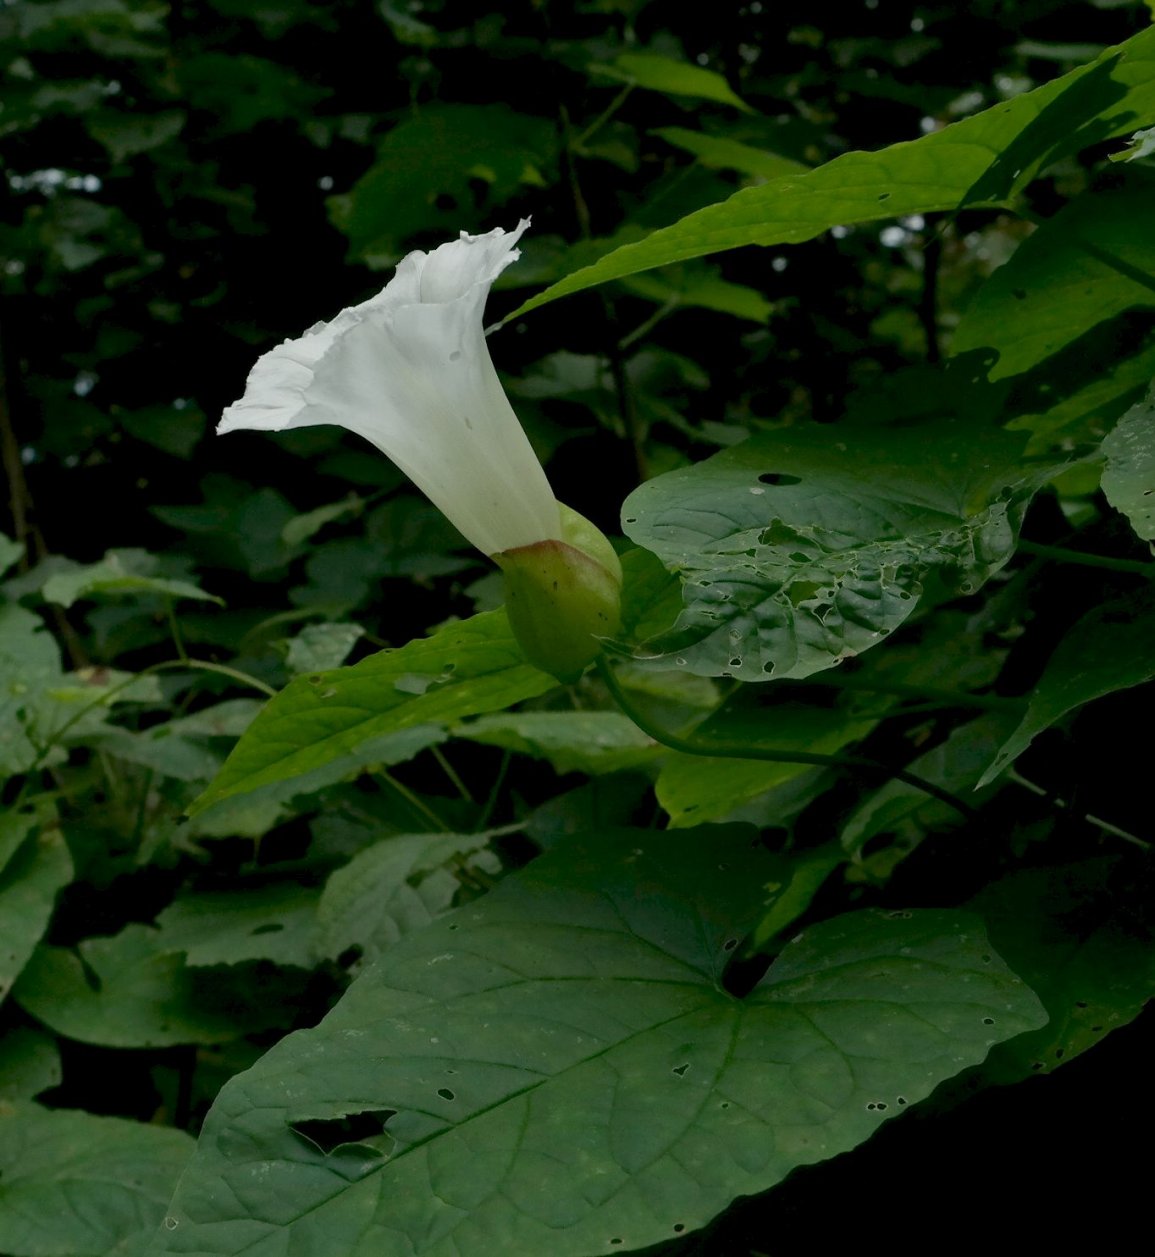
x: 196, y: 665
x: 451, y: 772
x: 739, y: 750
x: 1063, y: 806
x: 1061, y: 555
x: 416, y: 802
x: 942, y: 697
x: 174, y: 628
x: 495, y: 791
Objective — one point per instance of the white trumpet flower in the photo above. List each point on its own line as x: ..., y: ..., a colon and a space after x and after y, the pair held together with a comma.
x: 410, y: 371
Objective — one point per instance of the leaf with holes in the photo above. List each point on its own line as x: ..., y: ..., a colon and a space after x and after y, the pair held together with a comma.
x: 84, y: 1186
x: 1111, y: 648
x: 986, y: 159
x: 558, y: 1067
x: 803, y: 547
x: 463, y: 669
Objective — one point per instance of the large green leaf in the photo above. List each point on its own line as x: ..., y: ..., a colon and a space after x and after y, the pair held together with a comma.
x: 1129, y: 476
x: 986, y: 159
x: 803, y: 547
x: 462, y: 670
x: 75, y: 1185
x: 1092, y: 261
x: 1111, y: 648
x: 557, y: 1069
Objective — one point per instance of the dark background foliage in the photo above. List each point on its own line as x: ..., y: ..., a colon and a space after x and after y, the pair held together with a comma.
x: 189, y: 184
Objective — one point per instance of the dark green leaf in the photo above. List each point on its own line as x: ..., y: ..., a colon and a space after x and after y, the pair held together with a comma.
x: 1088, y: 264
x: 1111, y: 648
x: 1077, y: 935
x: 555, y: 1068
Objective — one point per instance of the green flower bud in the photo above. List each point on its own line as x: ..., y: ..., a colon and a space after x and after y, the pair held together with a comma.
x: 562, y: 595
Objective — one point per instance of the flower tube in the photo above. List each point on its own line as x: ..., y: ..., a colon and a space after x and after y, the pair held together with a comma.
x: 410, y: 371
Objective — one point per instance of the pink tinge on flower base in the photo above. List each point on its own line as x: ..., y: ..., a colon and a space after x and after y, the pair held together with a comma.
x: 410, y: 371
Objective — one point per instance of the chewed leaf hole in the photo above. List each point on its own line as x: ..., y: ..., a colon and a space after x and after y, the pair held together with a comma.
x: 680, y: 1070
x: 269, y: 927
x: 778, y: 478
x: 328, y: 1134
x: 679, y: 1227
x: 446, y: 1094
x: 988, y: 1021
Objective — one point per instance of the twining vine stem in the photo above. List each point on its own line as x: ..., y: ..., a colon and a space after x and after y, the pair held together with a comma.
x: 739, y: 750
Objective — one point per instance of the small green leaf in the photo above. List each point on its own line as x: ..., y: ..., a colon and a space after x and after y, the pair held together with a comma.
x: 125, y: 135
x: 119, y: 572
x: 29, y: 663
x: 652, y: 71
x: 802, y: 547
x: 30, y: 880
x: 464, y: 669
x: 10, y: 552
x: 393, y: 888
x: 556, y: 1068
x: 229, y: 927
x: 300, y: 528
x: 75, y: 1185
x: 318, y: 647
x: 1129, y: 476
x: 719, y: 153
x: 1111, y: 648
x: 697, y: 285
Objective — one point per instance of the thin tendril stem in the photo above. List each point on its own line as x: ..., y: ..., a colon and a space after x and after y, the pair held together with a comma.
x: 737, y: 750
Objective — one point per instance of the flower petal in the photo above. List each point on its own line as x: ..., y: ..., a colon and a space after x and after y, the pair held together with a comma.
x: 410, y: 371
